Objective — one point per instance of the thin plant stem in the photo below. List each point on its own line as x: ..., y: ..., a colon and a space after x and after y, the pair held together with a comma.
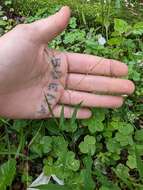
x: 8, y: 142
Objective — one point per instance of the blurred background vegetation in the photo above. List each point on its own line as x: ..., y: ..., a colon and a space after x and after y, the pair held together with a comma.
x: 86, y: 9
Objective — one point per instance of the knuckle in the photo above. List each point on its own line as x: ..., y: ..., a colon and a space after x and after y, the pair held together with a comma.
x: 24, y: 27
x: 25, y: 30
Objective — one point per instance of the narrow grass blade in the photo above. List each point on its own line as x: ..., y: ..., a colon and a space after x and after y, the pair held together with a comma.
x: 51, y: 111
x: 62, y: 119
x: 73, y: 118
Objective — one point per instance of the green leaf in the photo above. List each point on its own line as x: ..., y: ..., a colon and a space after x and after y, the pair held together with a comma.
x: 98, y: 126
x: 53, y: 187
x: 139, y: 148
x: 91, y: 45
x: 99, y: 114
x: 104, y: 180
x: 107, y: 133
x: 8, y: 2
x: 42, y: 145
x: 36, y: 147
x: 131, y: 162
x: 87, y: 173
x: 116, y: 41
x: 104, y: 188
x: 95, y: 123
x: 7, y: 173
x: 46, y: 144
x: 74, y: 36
x: 139, y: 162
x: 88, y: 145
x: 139, y: 135
x: 113, y: 146
x: 69, y: 125
x: 73, y: 23
x: 3, y: 23
x: 18, y: 124
x: 115, y: 124
x: 59, y: 145
x: 52, y: 127
x: 71, y: 162
x: 115, y: 156
x: 122, y: 170
x: 63, y: 167
x: 138, y: 28
x: 123, y: 173
x: 126, y: 129
x: 120, y: 26
x: 124, y: 140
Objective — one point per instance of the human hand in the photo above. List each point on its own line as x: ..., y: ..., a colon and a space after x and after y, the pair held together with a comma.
x: 32, y: 76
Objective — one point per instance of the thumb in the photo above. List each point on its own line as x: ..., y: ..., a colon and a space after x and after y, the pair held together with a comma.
x: 47, y: 29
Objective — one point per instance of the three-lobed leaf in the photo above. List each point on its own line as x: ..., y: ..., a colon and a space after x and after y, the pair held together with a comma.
x: 88, y: 145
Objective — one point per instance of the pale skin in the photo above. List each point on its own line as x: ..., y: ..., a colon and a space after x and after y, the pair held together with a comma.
x: 31, y: 74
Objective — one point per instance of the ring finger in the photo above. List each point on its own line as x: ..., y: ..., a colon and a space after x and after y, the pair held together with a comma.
x: 99, y: 84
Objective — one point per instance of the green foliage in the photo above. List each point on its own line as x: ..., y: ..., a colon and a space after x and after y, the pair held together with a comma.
x: 131, y: 162
x: 87, y: 173
x: 139, y: 162
x: 106, y: 184
x: 63, y: 167
x: 96, y: 122
x: 139, y: 135
x: 53, y: 187
x: 7, y: 173
x: 103, y: 152
x: 7, y: 20
x: 88, y: 145
x: 123, y: 173
x: 121, y: 26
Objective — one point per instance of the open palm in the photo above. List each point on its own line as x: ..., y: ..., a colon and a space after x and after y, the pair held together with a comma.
x: 34, y: 79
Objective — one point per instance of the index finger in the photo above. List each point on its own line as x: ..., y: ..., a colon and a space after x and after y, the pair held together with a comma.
x: 89, y: 64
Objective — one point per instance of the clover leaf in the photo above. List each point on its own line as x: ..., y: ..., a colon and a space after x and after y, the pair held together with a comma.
x: 63, y: 166
x: 46, y: 144
x: 71, y: 162
x: 124, y: 140
x: 139, y: 135
x: 131, y: 162
x: 113, y: 146
x: 126, y: 129
x: 95, y: 123
x: 122, y: 170
x: 88, y: 145
x: 98, y: 126
x: 59, y: 145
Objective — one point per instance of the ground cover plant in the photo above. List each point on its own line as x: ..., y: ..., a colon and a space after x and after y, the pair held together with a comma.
x: 104, y: 152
